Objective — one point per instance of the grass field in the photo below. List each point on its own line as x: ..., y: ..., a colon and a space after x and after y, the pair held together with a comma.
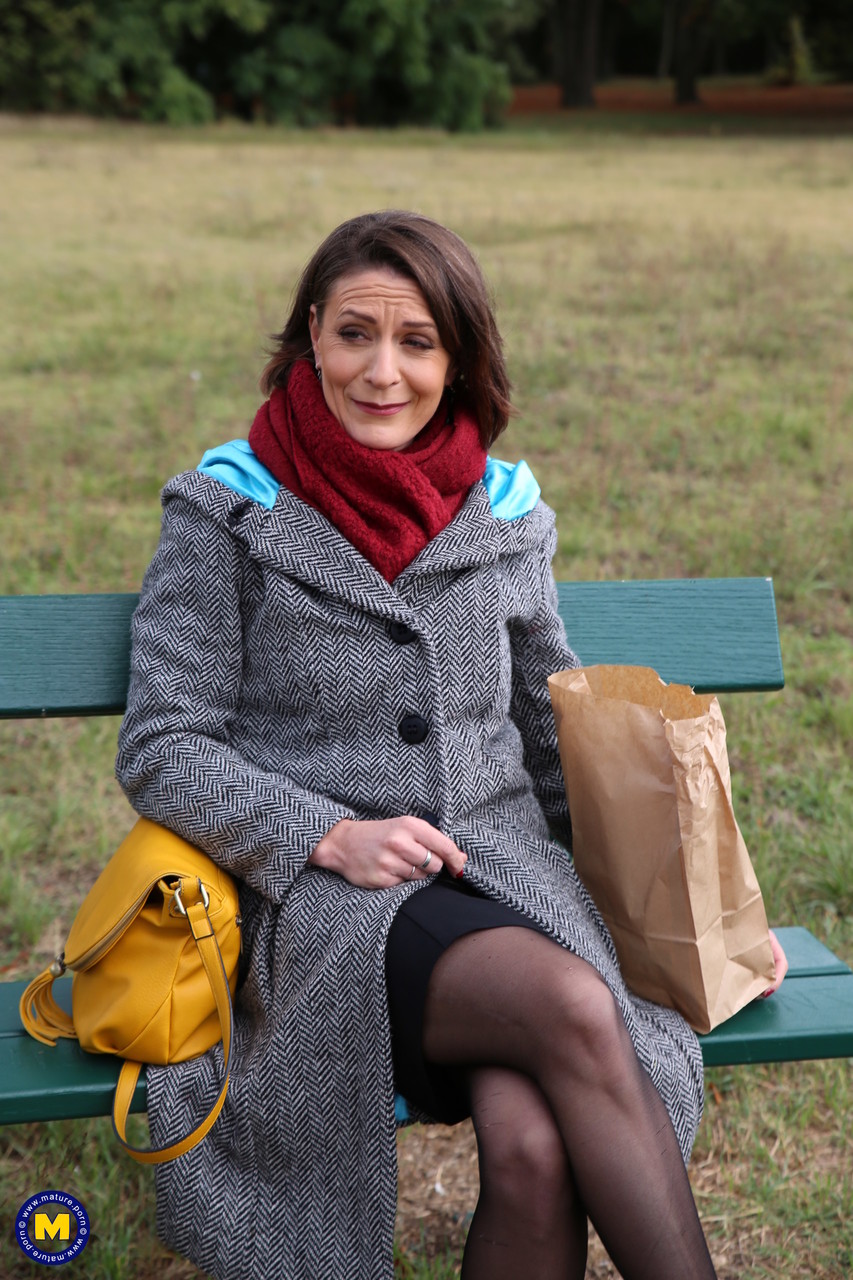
x: 678, y: 312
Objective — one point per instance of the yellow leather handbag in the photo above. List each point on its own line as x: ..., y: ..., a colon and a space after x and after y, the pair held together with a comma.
x: 154, y: 951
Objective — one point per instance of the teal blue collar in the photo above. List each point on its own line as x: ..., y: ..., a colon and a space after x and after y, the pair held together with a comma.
x: 512, y: 489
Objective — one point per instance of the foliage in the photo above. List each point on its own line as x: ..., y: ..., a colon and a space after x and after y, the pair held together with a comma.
x: 374, y: 61
x: 115, y: 57
x: 385, y: 62
x: 378, y: 62
x: 468, y: 87
x: 830, y: 27
x: 178, y: 100
x: 288, y: 77
x: 796, y: 39
x: 42, y: 47
x: 796, y: 34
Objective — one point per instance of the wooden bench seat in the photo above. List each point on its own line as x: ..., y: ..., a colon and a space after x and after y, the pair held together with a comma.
x: 69, y: 655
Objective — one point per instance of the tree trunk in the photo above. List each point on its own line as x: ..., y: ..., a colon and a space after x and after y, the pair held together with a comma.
x: 693, y: 33
x: 576, y: 24
x: 611, y: 27
x: 667, y: 39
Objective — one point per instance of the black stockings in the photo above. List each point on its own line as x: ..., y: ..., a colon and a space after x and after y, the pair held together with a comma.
x: 568, y: 1123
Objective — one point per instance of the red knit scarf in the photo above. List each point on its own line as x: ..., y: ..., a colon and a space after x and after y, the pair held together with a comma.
x: 388, y: 504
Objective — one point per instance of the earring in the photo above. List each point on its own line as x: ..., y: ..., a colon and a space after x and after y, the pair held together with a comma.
x: 319, y: 372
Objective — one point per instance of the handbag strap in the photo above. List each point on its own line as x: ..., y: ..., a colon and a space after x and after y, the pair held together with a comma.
x: 211, y: 958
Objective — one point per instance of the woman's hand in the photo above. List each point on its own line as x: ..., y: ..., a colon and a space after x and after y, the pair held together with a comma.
x: 781, y: 962
x: 378, y: 855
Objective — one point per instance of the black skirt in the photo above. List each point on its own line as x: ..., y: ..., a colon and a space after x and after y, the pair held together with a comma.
x: 424, y: 927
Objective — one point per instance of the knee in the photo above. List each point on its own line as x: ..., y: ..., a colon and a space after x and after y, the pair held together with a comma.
x: 524, y: 1168
x: 586, y: 1036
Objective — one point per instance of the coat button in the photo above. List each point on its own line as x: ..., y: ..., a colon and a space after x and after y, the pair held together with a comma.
x: 235, y: 515
x: 413, y: 729
x: 401, y: 634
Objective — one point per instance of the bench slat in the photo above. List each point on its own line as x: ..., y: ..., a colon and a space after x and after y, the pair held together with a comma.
x: 806, y: 1018
x: 66, y: 655
x: 807, y: 957
x: 716, y: 634
x: 40, y: 1082
x: 59, y: 1083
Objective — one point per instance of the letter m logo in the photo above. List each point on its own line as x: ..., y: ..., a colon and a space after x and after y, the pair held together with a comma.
x: 60, y: 1226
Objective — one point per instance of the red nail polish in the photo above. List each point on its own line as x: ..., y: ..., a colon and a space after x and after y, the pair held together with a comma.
x: 460, y: 874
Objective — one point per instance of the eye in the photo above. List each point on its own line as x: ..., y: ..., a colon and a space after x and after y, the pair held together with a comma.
x: 350, y: 333
x: 418, y: 342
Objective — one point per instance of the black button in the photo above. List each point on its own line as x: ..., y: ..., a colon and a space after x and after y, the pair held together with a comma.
x: 413, y: 729
x: 429, y: 817
x: 401, y: 634
x: 235, y: 515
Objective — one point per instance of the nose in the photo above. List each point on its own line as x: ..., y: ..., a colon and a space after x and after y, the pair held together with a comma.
x: 382, y: 368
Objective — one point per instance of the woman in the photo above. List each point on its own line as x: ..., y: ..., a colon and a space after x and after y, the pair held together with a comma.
x: 339, y: 691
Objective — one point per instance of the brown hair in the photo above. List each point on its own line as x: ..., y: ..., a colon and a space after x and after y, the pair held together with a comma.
x: 449, y: 277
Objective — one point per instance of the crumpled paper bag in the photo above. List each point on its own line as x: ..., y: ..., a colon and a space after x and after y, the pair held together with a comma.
x: 656, y: 842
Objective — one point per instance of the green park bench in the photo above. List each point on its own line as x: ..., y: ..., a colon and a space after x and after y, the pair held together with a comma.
x: 69, y: 656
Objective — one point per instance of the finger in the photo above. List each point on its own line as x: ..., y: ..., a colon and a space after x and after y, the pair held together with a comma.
x: 429, y: 866
x: 412, y: 872
x: 779, y: 957
x: 780, y: 961
x: 441, y: 846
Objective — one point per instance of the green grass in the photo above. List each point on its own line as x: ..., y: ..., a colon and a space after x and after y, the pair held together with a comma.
x: 79, y: 1157
x: 677, y: 311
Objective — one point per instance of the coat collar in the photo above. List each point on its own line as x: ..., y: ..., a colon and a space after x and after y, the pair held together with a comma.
x: 295, y: 539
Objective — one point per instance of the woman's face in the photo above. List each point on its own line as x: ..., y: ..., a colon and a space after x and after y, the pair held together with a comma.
x: 384, y: 368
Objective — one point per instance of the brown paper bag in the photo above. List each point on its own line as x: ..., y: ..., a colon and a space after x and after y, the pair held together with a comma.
x: 655, y: 839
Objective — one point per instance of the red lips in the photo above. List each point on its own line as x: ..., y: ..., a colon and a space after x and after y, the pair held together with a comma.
x: 380, y: 410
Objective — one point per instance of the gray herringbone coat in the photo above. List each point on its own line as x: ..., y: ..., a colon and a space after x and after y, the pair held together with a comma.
x: 264, y: 706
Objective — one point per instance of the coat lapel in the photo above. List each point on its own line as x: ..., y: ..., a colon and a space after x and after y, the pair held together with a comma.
x: 302, y: 542
x: 294, y: 538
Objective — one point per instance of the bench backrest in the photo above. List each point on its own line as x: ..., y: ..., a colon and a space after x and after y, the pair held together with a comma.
x: 65, y: 655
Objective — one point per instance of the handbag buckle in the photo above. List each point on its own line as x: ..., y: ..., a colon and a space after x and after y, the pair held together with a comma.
x: 178, y: 902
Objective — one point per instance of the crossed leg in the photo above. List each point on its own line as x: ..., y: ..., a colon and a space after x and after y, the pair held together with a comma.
x: 511, y: 998
x: 529, y: 1219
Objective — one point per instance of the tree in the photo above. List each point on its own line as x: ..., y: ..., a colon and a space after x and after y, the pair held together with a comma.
x: 667, y: 39
x: 377, y: 62
x: 829, y: 25
x: 793, y: 32
x: 694, y: 27
x: 678, y: 38
x: 42, y: 45
x: 577, y: 27
x: 111, y: 57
